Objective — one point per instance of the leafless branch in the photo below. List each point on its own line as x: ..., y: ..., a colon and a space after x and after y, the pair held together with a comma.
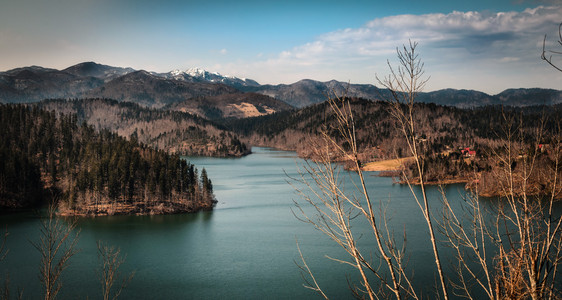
x: 405, y: 83
x: 335, y: 208
x: 111, y: 260
x: 546, y: 55
x: 56, y: 246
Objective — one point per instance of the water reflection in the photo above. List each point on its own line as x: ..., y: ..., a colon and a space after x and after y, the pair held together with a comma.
x: 244, y: 249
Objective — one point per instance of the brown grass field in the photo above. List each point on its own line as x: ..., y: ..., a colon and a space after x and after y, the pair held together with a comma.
x: 387, y: 165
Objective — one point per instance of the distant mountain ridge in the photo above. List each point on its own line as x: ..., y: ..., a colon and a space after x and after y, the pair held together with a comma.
x: 92, y: 80
x: 307, y: 92
x: 154, y: 91
x: 198, y: 75
x: 92, y: 69
x: 32, y: 84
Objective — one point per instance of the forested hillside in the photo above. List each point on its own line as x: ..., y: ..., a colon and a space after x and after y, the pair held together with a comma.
x: 44, y: 156
x: 441, y: 126
x: 458, y: 145
x: 172, y: 131
x: 241, y: 105
x: 376, y: 129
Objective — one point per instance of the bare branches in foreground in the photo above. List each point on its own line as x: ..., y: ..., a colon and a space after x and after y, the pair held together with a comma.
x: 111, y: 260
x: 405, y: 82
x: 381, y: 274
x: 512, y: 248
x: 56, y: 246
x: 547, y: 55
x: 502, y: 248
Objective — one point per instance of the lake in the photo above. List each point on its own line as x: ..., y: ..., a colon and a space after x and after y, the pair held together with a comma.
x: 244, y: 249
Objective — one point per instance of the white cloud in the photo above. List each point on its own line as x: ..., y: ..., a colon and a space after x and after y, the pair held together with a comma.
x: 494, y: 43
x: 223, y: 51
x: 535, y: 2
x: 509, y: 59
x: 466, y: 30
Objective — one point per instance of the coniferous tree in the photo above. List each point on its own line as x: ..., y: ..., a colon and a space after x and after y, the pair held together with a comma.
x: 92, y: 172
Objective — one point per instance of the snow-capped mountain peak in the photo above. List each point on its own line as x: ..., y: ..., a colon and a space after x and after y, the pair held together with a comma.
x: 202, y: 74
x: 177, y: 72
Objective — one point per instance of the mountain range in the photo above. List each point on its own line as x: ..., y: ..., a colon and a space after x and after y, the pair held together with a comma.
x: 157, y: 90
x: 154, y: 91
x: 201, y: 75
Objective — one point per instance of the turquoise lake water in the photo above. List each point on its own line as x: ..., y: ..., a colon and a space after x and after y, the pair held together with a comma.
x: 244, y: 249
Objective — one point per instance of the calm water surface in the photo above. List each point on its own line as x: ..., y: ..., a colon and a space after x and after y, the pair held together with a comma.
x: 244, y: 249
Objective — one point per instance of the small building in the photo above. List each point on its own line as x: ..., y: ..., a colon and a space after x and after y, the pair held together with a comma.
x: 467, y: 152
x: 542, y: 147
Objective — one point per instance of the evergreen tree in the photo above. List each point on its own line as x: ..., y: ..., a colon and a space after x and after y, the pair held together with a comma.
x: 90, y: 168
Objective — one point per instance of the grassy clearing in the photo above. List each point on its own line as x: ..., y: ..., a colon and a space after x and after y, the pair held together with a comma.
x: 387, y: 165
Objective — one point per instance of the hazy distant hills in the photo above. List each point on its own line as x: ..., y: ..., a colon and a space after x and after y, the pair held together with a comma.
x: 509, y: 97
x: 153, y: 91
x: 526, y: 97
x: 33, y: 84
x: 307, y: 92
x: 92, y: 69
x: 218, y: 92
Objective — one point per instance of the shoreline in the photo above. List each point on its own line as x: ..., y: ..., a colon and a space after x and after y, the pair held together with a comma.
x: 122, y: 209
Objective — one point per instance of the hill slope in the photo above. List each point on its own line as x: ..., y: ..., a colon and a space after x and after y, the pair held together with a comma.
x: 92, y: 69
x: 146, y: 89
x: 175, y: 132
x: 240, y: 105
x: 32, y: 84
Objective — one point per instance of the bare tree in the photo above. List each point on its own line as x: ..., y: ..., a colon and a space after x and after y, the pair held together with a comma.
x: 514, y: 250
x: 308, y: 276
x: 57, y: 245
x: 5, y: 290
x: 548, y: 54
x: 405, y: 82
x: 335, y: 211
x: 111, y: 259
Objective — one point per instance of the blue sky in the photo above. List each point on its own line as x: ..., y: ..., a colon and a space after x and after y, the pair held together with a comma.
x: 481, y: 45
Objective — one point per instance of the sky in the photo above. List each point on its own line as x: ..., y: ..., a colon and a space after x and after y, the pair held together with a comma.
x: 485, y: 45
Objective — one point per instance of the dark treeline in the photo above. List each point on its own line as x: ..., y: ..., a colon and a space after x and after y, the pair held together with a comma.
x: 44, y: 156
